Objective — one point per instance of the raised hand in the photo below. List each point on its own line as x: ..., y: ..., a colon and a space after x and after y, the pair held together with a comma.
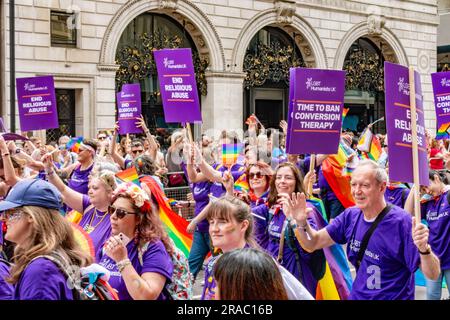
x: 284, y: 126
x: 228, y: 182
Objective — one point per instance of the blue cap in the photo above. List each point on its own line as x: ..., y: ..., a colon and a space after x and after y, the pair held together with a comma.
x: 32, y: 192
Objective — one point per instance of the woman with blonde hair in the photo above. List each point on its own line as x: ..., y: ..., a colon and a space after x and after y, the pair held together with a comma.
x: 138, y: 251
x: 37, y: 228
x: 93, y: 208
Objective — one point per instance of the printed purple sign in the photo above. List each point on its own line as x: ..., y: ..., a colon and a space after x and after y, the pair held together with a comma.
x: 129, y: 108
x: 441, y: 90
x: 37, y: 103
x: 290, y: 105
x: 178, y: 86
x: 316, y: 114
x: 398, y: 121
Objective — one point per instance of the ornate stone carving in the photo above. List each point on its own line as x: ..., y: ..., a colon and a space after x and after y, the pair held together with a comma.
x: 285, y: 11
x: 168, y: 5
x: 375, y: 24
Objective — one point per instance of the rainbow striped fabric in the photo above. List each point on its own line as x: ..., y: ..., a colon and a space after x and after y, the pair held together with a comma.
x: 174, y: 224
x: 230, y: 153
x: 344, y: 113
x: 74, y: 144
x: 336, y: 284
x: 443, y: 131
x: 241, y: 184
x: 129, y: 175
x: 369, y: 145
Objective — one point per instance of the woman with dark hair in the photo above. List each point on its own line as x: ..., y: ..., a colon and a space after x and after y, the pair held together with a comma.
x: 274, y: 228
x: 38, y: 229
x: 435, y: 207
x: 138, y: 251
x: 248, y: 274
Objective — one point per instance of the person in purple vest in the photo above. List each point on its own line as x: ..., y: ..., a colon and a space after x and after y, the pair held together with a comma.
x: 137, y: 253
x: 395, y: 250
x: 37, y: 228
x: 436, y: 211
x: 272, y: 221
x: 92, y: 207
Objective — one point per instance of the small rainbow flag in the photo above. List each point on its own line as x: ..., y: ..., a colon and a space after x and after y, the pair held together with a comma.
x: 241, y: 184
x: 374, y: 151
x: 74, y: 144
x: 230, y: 153
x: 344, y: 113
x: 172, y: 201
x: 129, y: 175
x: 83, y: 239
x: 442, y: 132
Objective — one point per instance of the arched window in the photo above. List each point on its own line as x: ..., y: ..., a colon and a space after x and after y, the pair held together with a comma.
x: 269, y: 56
x: 147, y: 32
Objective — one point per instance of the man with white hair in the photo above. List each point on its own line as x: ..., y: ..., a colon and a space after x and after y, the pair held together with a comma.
x: 384, y: 244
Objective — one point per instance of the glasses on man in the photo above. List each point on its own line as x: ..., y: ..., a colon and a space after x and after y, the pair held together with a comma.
x: 119, y: 212
x: 101, y: 137
x: 10, y: 215
x: 137, y: 151
x: 255, y: 175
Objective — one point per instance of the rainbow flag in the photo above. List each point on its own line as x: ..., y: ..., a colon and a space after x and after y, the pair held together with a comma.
x: 333, y: 168
x: 174, y: 224
x: 241, y: 184
x: 74, y: 144
x: 365, y: 140
x: 83, y: 239
x: 442, y: 132
x: 375, y: 149
x: 337, y: 282
x: 129, y: 175
x: 230, y: 153
x: 344, y: 113
x: 172, y: 201
x: 369, y: 145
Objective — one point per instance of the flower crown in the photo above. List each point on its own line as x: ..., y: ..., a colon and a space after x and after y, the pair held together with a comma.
x: 139, y: 197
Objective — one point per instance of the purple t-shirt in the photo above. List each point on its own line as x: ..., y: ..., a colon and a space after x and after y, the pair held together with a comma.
x: 209, y: 289
x: 155, y: 259
x: 217, y: 189
x: 42, y: 280
x: 200, y: 192
x: 396, y: 196
x: 6, y: 289
x: 100, y: 223
x: 80, y: 179
x: 391, y: 258
x: 437, y: 214
x: 273, y: 228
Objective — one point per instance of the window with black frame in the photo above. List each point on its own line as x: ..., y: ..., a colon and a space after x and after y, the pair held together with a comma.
x: 63, y: 29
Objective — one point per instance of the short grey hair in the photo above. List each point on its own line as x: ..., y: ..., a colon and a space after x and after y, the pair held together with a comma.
x: 380, y: 173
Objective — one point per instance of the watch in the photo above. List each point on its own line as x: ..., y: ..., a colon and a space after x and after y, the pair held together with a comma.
x: 428, y: 251
x: 18, y: 150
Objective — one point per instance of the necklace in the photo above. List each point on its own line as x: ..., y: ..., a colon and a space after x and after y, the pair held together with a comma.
x: 89, y: 227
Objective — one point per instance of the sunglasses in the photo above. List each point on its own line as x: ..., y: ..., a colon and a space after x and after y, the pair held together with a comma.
x: 137, y: 151
x: 10, y: 215
x: 119, y: 212
x: 101, y: 138
x: 256, y: 175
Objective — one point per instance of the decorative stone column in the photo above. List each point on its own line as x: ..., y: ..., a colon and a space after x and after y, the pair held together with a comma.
x: 105, y: 105
x: 222, y: 108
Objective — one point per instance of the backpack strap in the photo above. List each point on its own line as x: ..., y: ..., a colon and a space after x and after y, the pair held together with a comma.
x: 291, y: 245
x: 368, y: 234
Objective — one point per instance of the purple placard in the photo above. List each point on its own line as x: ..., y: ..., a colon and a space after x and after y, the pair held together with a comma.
x: 37, y: 103
x: 129, y: 108
x: 441, y: 90
x: 178, y: 86
x: 398, y: 121
x: 316, y: 111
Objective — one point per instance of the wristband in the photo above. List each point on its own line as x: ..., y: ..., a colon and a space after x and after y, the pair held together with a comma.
x: 426, y: 252
x: 5, y: 154
x: 122, y: 264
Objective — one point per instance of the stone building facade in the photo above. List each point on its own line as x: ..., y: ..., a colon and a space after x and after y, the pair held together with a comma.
x: 221, y: 31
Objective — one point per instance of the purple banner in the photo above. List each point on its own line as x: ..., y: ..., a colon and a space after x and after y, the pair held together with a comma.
x: 398, y: 121
x: 316, y: 111
x: 441, y: 90
x: 37, y: 103
x: 129, y: 108
x: 178, y: 86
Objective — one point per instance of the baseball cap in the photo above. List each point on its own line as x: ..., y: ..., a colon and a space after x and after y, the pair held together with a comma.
x: 32, y: 192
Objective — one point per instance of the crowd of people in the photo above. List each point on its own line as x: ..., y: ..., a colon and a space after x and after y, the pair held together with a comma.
x: 262, y: 242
